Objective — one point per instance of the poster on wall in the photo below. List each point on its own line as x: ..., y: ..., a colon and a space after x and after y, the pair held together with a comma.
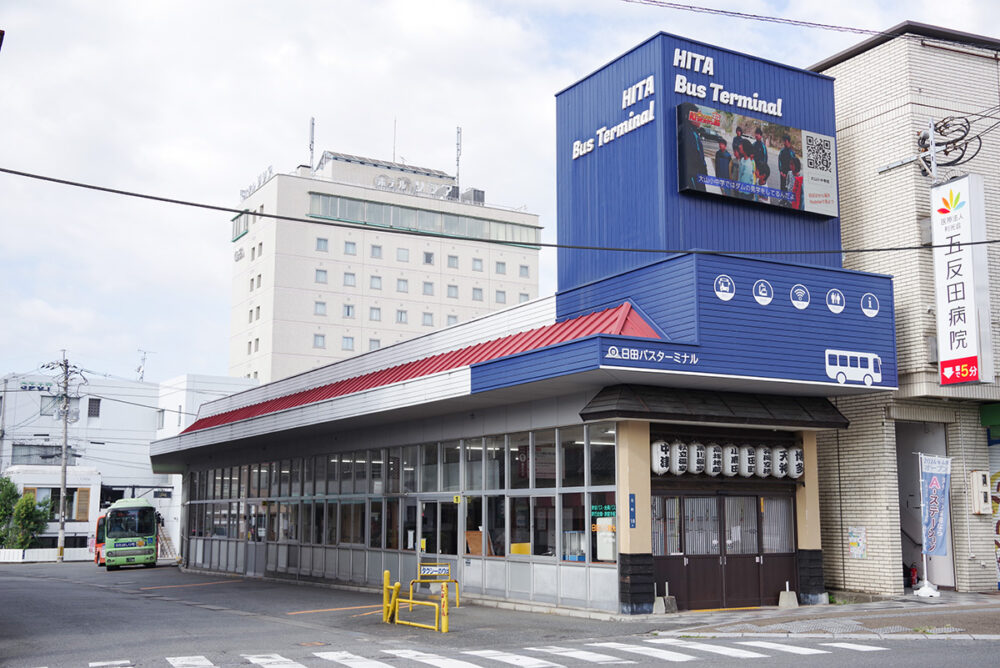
x: 745, y: 158
x: 994, y: 455
x: 857, y: 542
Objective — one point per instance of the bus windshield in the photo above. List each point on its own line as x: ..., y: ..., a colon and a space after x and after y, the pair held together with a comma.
x: 131, y: 523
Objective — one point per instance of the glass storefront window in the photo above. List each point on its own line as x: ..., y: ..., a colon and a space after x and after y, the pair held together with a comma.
x: 332, y: 474
x: 332, y: 515
x: 545, y: 460
x: 520, y: 526
x: 352, y: 522
x: 409, y: 512
x: 393, y: 471
x: 272, y: 522
x: 778, y: 524
x: 448, y: 542
x: 665, y: 512
x: 375, y: 524
x: 295, y: 477
x: 429, y: 467
x: 392, y: 524
x: 571, y: 455
x: 428, y: 527
x: 496, y: 459
x: 285, y: 477
x: 451, y: 455
x: 360, y: 472
x: 603, y: 527
x: 376, y: 472
x: 347, y: 473
x: 601, y: 437
x: 574, y: 528
x: 409, y: 470
x: 308, y: 522
x: 543, y: 518
x: 473, y: 463
x: 520, y: 461
x: 474, y: 535
x: 319, y: 473
x: 308, y: 477
x: 701, y: 525
x: 244, y: 480
x: 496, y: 526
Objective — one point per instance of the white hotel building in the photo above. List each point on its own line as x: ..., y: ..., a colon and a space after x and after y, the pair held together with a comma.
x: 326, y: 265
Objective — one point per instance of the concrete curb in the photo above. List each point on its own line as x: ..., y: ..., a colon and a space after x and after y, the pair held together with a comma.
x: 837, y: 636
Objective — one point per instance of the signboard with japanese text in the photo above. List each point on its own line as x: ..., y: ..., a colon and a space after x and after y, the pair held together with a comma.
x: 961, y: 282
x: 935, y: 481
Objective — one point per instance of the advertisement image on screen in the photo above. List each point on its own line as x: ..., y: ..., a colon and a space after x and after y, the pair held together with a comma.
x: 745, y: 158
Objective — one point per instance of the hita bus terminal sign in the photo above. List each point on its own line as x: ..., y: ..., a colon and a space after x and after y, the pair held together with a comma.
x: 961, y: 282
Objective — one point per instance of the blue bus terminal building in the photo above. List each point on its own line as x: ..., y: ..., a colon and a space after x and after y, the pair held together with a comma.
x: 649, y: 429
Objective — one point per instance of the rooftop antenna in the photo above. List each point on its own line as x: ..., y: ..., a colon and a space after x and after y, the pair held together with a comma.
x: 141, y: 369
x: 458, y: 153
x: 312, y: 138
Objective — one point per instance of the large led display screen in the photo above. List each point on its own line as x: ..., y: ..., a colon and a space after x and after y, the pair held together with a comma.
x: 746, y: 158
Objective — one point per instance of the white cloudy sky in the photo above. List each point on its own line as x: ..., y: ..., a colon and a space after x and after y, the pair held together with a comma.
x: 192, y: 99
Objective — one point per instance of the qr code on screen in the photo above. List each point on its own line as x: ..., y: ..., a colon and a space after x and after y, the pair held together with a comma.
x: 819, y: 153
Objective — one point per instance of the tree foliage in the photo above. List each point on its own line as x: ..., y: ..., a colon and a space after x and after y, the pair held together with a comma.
x: 21, y: 519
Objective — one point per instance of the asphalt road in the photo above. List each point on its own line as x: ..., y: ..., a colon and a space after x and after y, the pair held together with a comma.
x: 75, y: 614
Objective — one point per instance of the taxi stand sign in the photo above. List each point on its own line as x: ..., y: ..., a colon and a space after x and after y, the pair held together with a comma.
x: 961, y: 282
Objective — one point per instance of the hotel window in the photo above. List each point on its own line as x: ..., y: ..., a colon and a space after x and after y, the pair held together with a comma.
x: 350, y: 280
x: 452, y: 320
x: 256, y: 345
x: 501, y: 297
x: 250, y: 315
x: 477, y: 264
x: 258, y: 281
x: 321, y: 275
x: 93, y: 407
x: 402, y: 285
x: 322, y: 245
x: 375, y: 313
x: 453, y: 292
x: 428, y: 320
x: 348, y: 310
x: 428, y: 288
x: 251, y: 285
x: 524, y: 271
x: 347, y: 343
x: 319, y: 308
x: 501, y: 267
x: 256, y: 313
x: 319, y: 341
x: 374, y: 344
x: 453, y: 262
x: 253, y: 252
x: 428, y: 258
x: 401, y: 317
x: 249, y: 350
x: 403, y: 254
x: 523, y: 297
x: 375, y: 283
x: 477, y: 294
x: 350, y: 248
x: 376, y: 252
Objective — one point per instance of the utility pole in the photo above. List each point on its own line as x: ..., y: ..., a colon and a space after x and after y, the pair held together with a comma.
x: 64, y: 366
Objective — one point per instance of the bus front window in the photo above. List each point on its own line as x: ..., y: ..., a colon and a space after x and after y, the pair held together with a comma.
x: 131, y: 523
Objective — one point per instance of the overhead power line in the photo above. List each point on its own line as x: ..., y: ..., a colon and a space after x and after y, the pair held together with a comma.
x: 435, y: 235
x: 753, y: 17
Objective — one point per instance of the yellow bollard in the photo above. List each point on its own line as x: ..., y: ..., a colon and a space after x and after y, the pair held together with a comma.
x: 385, y: 596
x: 444, y: 607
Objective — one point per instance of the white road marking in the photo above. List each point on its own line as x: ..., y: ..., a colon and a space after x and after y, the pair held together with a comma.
x: 856, y: 648
x: 99, y: 664
x: 272, y: 660
x: 580, y: 654
x: 724, y: 650
x: 513, y: 659
x: 664, y: 654
x: 189, y: 662
x: 352, y: 660
x: 430, y: 659
x: 791, y: 649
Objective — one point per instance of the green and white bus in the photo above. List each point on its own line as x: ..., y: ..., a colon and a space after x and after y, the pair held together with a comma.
x: 130, y: 534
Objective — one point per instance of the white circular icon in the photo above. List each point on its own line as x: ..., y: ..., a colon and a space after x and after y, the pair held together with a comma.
x: 835, y: 300
x: 725, y: 287
x: 799, y: 295
x: 763, y: 292
x: 869, y: 304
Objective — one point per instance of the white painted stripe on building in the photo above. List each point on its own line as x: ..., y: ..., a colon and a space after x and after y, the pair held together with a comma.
x: 724, y: 650
x: 189, y: 662
x: 852, y: 646
x: 430, y: 659
x: 656, y: 653
x: 274, y: 660
x: 513, y: 659
x: 352, y: 660
x: 580, y: 654
x: 120, y: 662
x: 791, y: 649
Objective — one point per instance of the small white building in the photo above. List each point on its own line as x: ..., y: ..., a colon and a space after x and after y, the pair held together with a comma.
x: 340, y: 271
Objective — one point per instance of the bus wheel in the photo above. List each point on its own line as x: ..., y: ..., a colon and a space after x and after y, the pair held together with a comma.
x: 112, y: 568
x: 841, y: 378
x: 868, y: 381
x: 150, y: 565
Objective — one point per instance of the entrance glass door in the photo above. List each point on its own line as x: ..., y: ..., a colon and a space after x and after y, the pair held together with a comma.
x: 742, y: 559
x: 702, y: 553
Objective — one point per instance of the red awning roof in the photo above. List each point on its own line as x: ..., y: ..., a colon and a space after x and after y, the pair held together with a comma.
x: 621, y: 320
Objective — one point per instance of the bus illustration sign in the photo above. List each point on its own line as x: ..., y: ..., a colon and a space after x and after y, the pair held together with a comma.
x: 850, y: 366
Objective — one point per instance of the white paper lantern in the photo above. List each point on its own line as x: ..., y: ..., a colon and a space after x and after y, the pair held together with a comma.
x: 779, y: 462
x: 696, y: 457
x: 797, y: 463
x: 763, y: 462
x: 748, y: 460
x: 730, y: 460
x: 713, y: 459
x: 678, y: 457
x: 659, y: 457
